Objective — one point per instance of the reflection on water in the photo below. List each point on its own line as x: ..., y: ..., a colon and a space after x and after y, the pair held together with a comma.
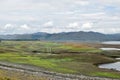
x: 112, y: 42
x: 109, y: 49
x: 117, y: 58
x: 115, y: 66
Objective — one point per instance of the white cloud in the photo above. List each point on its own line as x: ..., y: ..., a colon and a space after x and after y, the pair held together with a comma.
x: 73, y: 25
x: 25, y: 26
x: 87, y: 25
x: 52, y: 30
x: 78, y: 15
x: 7, y: 26
x: 110, y: 2
x: 16, y: 29
x: 48, y: 24
x: 24, y: 5
x: 109, y: 30
x: 82, y: 2
x: 26, y: 29
x: 98, y: 14
x: 7, y: 29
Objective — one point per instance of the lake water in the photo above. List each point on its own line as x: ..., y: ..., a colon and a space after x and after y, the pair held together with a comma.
x: 112, y: 42
x: 115, y: 65
x: 110, y: 49
x: 117, y: 58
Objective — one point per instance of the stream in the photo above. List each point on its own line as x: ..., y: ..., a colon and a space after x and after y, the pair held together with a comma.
x: 115, y: 65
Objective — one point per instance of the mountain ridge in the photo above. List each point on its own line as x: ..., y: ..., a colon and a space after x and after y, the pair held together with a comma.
x: 64, y: 36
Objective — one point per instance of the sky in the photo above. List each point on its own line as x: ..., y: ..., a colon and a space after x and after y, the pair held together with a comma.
x: 54, y: 16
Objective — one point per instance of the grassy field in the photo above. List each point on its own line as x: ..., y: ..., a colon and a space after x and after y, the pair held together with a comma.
x: 13, y: 75
x: 70, y: 58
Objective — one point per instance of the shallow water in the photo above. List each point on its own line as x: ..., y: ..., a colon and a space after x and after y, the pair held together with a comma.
x: 109, y: 49
x: 117, y: 58
x: 112, y: 42
x: 115, y: 66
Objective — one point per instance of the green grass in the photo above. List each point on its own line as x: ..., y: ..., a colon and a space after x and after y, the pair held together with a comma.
x: 21, y: 52
x: 59, y: 63
x: 107, y: 74
x: 44, y: 47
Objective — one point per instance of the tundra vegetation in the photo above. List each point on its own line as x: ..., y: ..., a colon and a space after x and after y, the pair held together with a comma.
x: 72, y: 58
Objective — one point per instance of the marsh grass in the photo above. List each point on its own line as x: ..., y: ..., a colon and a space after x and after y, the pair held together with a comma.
x: 41, y: 54
x: 13, y: 75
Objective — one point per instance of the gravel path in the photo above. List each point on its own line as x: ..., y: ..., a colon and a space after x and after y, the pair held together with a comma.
x: 26, y: 69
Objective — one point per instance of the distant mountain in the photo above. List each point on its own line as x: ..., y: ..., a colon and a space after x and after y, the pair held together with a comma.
x: 82, y: 36
x: 68, y: 36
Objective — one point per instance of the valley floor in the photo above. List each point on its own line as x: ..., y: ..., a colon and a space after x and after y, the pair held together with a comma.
x: 10, y: 71
x: 36, y: 60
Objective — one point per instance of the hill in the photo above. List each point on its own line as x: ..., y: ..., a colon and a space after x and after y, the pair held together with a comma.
x: 68, y: 36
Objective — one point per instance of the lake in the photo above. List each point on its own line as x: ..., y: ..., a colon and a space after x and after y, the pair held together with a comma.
x: 110, y: 49
x: 112, y: 42
x: 117, y: 58
x: 115, y: 65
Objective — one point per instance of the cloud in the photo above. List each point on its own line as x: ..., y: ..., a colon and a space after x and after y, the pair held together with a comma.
x: 93, y: 14
x: 16, y: 29
x: 24, y: 5
x: 73, y: 25
x: 25, y: 26
x: 31, y: 16
x: 110, y: 2
x: 52, y: 30
x: 48, y: 24
x: 7, y: 26
x: 25, y: 29
x: 87, y: 25
x: 7, y: 29
x: 82, y: 2
x: 107, y: 31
